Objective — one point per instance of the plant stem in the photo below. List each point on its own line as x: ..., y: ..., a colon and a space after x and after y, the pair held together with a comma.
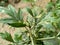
x: 49, y: 38
x: 32, y: 41
x: 31, y: 37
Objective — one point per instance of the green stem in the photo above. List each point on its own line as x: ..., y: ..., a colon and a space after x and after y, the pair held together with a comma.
x: 31, y: 37
x: 32, y: 41
x: 49, y: 38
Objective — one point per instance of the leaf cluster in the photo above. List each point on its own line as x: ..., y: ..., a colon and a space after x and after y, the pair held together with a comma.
x: 42, y: 28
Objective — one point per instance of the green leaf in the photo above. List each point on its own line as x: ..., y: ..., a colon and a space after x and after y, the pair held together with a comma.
x: 30, y: 12
x: 41, y: 17
x: 13, y: 11
x: 7, y: 11
x: 58, y: 6
x: 6, y: 36
x: 17, y: 24
x: 37, y: 11
x: 39, y: 26
x: 51, y: 42
x: 19, y: 15
x: 49, y: 6
x: 18, y: 38
x: 7, y: 20
x: 30, y: 20
x: 12, y: 22
x: 16, y: 19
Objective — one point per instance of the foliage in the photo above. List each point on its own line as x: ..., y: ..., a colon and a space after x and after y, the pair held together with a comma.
x: 3, y: 2
x: 15, y: 17
x: 42, y: 28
